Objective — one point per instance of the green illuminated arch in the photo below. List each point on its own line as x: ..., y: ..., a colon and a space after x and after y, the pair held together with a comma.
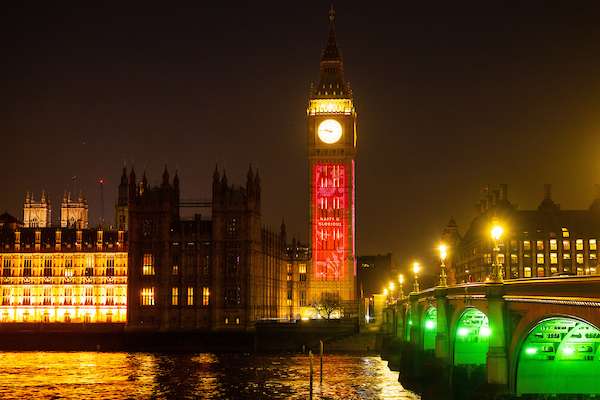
x: 560, y: 355
x: 471, y: 339
x: 429, y: 328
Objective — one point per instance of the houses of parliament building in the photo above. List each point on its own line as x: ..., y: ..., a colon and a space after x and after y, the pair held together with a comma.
x: 158, y: 271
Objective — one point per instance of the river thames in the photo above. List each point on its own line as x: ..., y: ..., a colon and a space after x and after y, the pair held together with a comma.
x: 98, y: 375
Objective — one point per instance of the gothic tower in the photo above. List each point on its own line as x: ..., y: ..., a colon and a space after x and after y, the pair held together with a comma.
x: 74, y: 213
x: 121, y: 208
x: 332, y: 153
x: 36, y: 214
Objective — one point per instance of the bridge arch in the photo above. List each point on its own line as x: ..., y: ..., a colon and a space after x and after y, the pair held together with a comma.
x: 429, y: 325
x: 471, y: 338
x: 559, y: 355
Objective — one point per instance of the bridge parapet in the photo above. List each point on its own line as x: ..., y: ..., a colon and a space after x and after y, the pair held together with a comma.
x: 495, y: 319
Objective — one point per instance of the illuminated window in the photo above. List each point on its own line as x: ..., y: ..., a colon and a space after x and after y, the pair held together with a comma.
x: 566, y: 256
x: 175, y: 269
x: 553, y: 258
x: 302, y: 271
x: 6, y: 267
x: 205, y: 296
x: 565, y: 232
x: 226, y: 321
x: 540, y: 258
x: 487, y: 258
x: 593, y: 271
x: 26, y: 296
x: 566, y: 245
x: 539, y: 245
x: 237, y: 321
x: 190, y: 296
x: 526, y: 245
x: 527, y: 259
x: 110, y: 295
x: 579, y: 244
x: 592, y: 244
x: 579, y: 258
x: 514, y: 259
x: 48, y: 267
x: 47, y: 295
x: 540, y: 271
x: 527, y: 272
x: 579, y: 270
x: 68, y: 267
x: 89, y: 296
x: 147, y: 296
x: 110, y: 266
x: 302, y: 298
x: 553, y: 244
x: 26, y: 267
x: 175, y: 296
x: 553, y: 270
x: 148, y: 266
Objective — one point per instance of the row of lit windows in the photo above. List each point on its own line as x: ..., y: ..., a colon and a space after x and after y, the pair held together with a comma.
x: 149, y: 270
x: 63, y: 295
x: 541, y: 271
x: 148, y: 296
x: 553, y: 245
x: 62, y: 314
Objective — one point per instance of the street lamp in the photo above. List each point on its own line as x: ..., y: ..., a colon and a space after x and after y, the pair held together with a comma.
x: 443, y: 249
x: 391, y: 288
x: 401, y: 287
x: 496, y: 232
x: 416, y: 269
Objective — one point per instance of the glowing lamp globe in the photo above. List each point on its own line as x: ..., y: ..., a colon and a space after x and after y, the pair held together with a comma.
x: 497, y: 232
x: 329, y: 131
x: 416, y: 267
x: 443, y: 249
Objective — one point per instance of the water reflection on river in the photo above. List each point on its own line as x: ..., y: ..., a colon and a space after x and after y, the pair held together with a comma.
x: 88, y: 375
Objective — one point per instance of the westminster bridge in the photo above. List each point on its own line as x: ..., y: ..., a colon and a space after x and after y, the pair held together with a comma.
x: 520, y: 336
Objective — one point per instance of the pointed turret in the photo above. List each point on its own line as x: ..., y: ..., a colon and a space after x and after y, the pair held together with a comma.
x: 331, y: 82
x: 27, y: 197
x: 165, y: 176
x: 122, y: 198
x: 250, y: 182
x: 132, y: 184
x: 44, y: 199
x: 176, y: 181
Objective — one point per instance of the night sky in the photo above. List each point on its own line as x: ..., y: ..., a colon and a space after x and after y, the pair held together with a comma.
x: 449, y: 97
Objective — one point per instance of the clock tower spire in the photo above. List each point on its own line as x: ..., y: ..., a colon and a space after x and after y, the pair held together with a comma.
x: 332, y: 152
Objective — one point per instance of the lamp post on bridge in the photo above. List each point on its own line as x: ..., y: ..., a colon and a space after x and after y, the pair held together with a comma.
x: 443, y: 249
x: 400, y: 287
x: 496, y: 233
x: 416, y: 269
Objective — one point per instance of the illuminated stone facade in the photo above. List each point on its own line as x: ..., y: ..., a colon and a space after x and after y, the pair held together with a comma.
x: 332, y: 151
x: 74, y: 212
x: 538, y: 243
x: 37, y: 214
x: 62, y: 275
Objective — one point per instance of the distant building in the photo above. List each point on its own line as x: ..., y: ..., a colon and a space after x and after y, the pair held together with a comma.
x: 36, y: 214
x: 537, y: 243
x: 74, y: 212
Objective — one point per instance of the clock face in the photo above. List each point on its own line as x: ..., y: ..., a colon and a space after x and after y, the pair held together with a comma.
x: 330, y: 131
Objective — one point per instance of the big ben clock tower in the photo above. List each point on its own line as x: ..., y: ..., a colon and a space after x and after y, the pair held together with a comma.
x: 332, y: 153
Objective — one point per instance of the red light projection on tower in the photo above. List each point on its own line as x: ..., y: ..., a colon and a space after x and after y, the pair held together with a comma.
x: 330, y: 202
